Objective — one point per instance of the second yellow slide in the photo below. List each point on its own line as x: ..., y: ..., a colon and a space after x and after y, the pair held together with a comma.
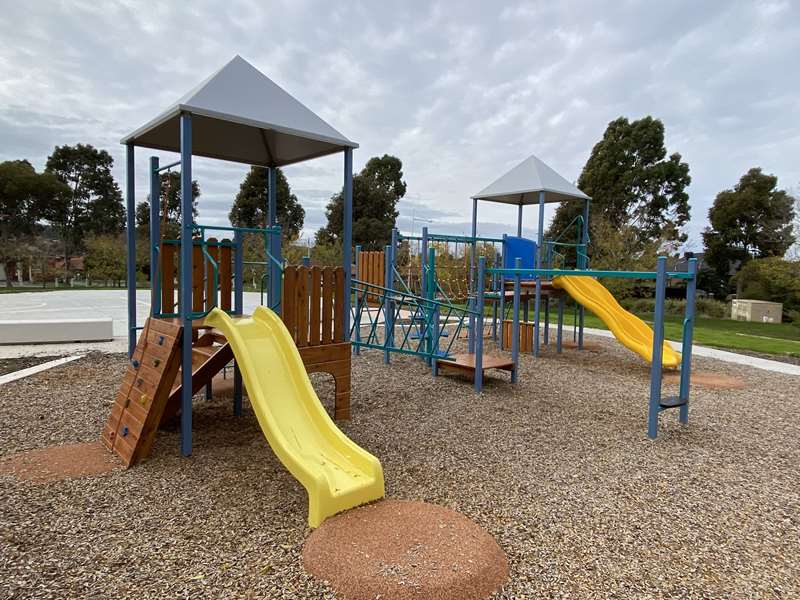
x: 629, y: 329
x: 336, y: 472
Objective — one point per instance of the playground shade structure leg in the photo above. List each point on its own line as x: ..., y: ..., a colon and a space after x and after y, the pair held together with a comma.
x: 657, y: 348
x: 560, y: 326
x: 186, y: 283
x: 337, y: 473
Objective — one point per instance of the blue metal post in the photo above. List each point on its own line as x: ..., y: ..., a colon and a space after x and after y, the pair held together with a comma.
x: 130, y: 225
x: 306, y: 261
x: 519, y: 221
x: 361, y: 305
x: 433, y: 317
x: 538, y: 299
x: 583, y: 264
x: 686, y: 347
x: 503, y: 297
x: 347, y: 241
x: 478, y: 380
x: 559, y: 332
x: 186, y: 283
x: 546, y: 320
x: 388, y: 308
x: 658, y: 348
x: 472, y: 266
x: 238, y: 309
x: 155, y: 236
x: 515, y: 322
x: 275, y: 275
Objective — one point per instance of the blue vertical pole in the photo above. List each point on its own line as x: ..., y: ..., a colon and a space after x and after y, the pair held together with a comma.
x: 472, y: 275
x: 361, y: 304
x: 478, y: 380
x: 515, y: 322
x: 155, y: 237
x: 538, y: 300
x: 583, y: 264
x: 238, y: 309
x: 503, y: 297
x: 559, y: 332
x: 498, y: 261
x: 433, y: 315
x: 275, y: 275
x: 688, y: 334
x: 519, y: 221
x: 388, y: 308
x: 658, y: 348
x: 547, y: 320
x: 186, y: 283
x: 347, y: 241
x: 130, y: 225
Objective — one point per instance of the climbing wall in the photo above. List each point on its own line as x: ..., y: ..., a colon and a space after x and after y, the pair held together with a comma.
x: 137, y: 410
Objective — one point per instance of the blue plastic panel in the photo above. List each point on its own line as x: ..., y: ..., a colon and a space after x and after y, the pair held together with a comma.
x: 522, y: 248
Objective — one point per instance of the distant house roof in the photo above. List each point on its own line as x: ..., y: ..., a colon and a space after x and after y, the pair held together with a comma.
x: 240, y: 114
x: 522, y: 184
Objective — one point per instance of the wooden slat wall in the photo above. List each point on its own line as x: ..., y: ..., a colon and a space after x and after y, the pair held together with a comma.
x: 372, y: 270
x: 202, y: 277
x: 211, y: 291
x: 313, y: 300
x: 525, y: 335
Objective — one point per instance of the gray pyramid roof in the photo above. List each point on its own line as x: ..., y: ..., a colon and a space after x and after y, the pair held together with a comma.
x: 522, y: 184
x: 239, y: 114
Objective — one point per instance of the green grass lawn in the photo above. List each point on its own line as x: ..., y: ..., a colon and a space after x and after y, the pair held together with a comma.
x: 767, y: 338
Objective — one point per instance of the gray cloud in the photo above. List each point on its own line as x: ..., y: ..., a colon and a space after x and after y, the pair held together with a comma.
x: 461, y: 92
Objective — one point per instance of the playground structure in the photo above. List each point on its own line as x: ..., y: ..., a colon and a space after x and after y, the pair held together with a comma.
x: 313, y: 319
x: 195, y: 329
x: 416, y: 315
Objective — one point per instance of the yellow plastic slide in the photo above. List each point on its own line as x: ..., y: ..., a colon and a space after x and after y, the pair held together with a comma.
x: 629, y: 329
x: 336, y: 473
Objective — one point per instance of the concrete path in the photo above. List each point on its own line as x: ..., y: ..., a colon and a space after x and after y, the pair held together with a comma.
x: 73, y: 304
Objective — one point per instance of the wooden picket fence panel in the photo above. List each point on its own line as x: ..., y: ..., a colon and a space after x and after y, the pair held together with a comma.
x: 203, y: 292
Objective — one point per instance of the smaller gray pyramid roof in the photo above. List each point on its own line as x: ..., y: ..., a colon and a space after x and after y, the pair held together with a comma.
x: 522, y: 184
x: 240, y: 114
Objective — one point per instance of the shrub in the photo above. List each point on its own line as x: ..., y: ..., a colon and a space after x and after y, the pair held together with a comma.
x: 704, y: 307
x: 772, y: 279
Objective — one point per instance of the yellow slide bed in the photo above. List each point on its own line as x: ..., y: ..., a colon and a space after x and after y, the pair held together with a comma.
x: 336, y: 473
x: 629, y: 329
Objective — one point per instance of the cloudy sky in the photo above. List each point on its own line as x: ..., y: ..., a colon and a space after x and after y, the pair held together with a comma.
x: 460, y: 91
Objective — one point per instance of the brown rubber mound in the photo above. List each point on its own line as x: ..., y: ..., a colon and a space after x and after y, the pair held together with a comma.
x: 60, y: 462
x: 713, y: 381
x: 587, y: 346
x: 399, y: 549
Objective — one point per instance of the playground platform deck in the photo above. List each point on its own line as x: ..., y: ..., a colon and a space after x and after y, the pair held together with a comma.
x: 465, y: 363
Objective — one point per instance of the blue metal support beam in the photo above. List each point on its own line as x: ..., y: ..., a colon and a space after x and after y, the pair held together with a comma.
x: 357, y: 328
x: 656, y: 366
x: 347, y: 238
x: 186, y: 282
x: 560, y: 330
x: 388, y: 309
x: 238, y: 309
x: 275, y: 274
x: 472, y: 284
x: 478, y: 380
x: 515, y: 322
x: 155, y: 237
x: 686, y: 347
x: 538, y: 298
x: 130, y: 226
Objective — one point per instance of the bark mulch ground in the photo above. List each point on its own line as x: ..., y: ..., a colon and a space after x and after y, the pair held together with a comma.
x: 558, y: 469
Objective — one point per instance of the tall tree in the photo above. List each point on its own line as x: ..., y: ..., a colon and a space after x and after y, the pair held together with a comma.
x: 93, y: 201
x: 376, y: 191
x: 633, y: 183
x: 170, y: 201
x: 250, y: 207
x: 26, y: 197
x: 753, y: 220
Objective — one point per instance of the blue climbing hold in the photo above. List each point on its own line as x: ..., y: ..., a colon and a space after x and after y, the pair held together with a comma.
x: 161, y: 340
x: 124, y: 431
x: 135, y: 364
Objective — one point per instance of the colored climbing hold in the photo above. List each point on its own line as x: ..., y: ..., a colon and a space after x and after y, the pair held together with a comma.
x: 139, y: 381
x: 156, y: 362
x: 135, y: 364
x: 161, y: 340
x: 143, y: 399
x: 124, y: 431
x: 127, y: 402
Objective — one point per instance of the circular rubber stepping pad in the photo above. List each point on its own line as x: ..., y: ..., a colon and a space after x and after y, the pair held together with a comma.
x: 400, y: 549
x: 712, y: 381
